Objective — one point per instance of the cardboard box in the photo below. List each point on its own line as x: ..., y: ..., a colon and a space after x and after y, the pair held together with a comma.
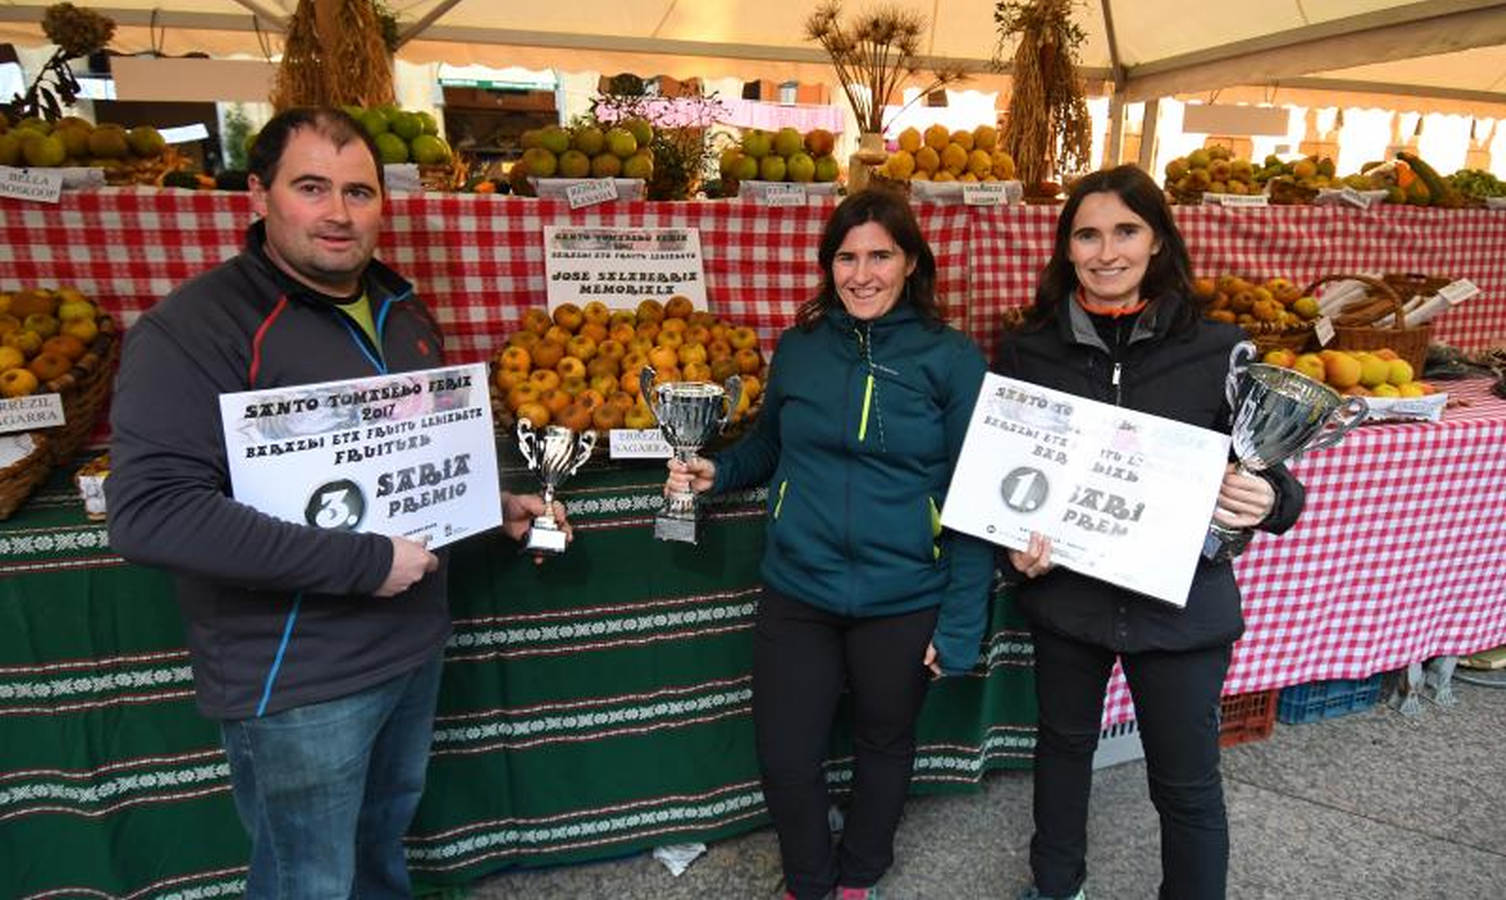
x: 762, y: 89
x: 665, y: 86
x: 813, y: 94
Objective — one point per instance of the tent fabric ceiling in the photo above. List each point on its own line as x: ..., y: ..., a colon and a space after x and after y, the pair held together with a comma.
x: 1161, y: 38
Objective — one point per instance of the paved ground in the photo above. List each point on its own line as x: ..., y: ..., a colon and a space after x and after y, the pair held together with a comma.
x: 1372, y: 806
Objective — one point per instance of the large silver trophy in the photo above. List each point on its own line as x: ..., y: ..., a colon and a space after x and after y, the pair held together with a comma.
x: 690, y: 413
x: 554, y: 453
x: 1279, y: 414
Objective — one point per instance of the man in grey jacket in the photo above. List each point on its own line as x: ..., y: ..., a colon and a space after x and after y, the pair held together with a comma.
x: 319, y: 651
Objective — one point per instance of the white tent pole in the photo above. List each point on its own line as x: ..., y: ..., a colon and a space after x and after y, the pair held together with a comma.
x: 1115, y: 146
x: 1148, y: 135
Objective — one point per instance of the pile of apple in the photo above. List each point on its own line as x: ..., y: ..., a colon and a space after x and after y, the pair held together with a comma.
x: 1272, y: 306
x: 942, y: 155
x: 1378, y: 373
x: 586, y: 151
x: 580, y: 367
x: 42, y: 334
x: 785, y: 155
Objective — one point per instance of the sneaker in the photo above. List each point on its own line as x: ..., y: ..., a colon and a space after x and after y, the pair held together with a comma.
x: 1031, y: 893
x: 850, y: 893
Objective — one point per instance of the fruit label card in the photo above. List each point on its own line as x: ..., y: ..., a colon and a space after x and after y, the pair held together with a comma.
x: 1125, y: 496
x: 31, y: 412
x: 410, y: 454
x: 40, y: 185
x: 623, y: 266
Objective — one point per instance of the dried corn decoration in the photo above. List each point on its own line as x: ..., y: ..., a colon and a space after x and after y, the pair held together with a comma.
x: 349, y: 67
x: 1049, y: 130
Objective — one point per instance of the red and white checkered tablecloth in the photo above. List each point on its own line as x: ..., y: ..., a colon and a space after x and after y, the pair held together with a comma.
x: 1399, y: 556
x: 478, y: 259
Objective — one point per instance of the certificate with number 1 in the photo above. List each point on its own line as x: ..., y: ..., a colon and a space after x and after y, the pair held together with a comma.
x: 1123, y: 495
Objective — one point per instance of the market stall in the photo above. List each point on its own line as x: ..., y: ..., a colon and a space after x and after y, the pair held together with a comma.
x: 599, y: 704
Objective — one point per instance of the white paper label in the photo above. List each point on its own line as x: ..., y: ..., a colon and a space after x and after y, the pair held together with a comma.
x: 1236, y: 200
x: 784, y: 195
x: 591, y: 192
x: 28, y: 413
x: 37, y: 185
x: 1458, y: 292
x: 986, y: 193
x: 1354, y: 198
x: 14, y: 448
x: 1324, y: 330
x: 185, y: 133
x: 638, y: 443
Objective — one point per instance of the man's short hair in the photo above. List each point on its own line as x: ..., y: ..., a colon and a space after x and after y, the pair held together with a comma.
x: 336, y: 125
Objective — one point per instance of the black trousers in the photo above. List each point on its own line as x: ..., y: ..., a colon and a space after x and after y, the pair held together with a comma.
x: 1177, y: 710
x: 802, y: 657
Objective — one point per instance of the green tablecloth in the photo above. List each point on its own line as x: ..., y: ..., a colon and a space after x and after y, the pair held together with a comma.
x: 593, y: 706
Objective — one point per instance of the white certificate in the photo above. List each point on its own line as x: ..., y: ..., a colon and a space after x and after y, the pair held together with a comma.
x: 408, y: 454
x: 1124, y: 496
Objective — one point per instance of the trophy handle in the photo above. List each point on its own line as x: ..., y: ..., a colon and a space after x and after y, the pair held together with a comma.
x: 1239, y: 360
x: 646, y: 390
x: 1339, y: 423
x: 584, y: 446
x: 526, y: 442
x: 734, y: 395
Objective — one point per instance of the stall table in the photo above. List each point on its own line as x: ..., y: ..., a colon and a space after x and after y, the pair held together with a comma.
x: 599, y: 704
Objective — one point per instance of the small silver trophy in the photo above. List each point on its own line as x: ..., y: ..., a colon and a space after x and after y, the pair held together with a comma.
x: 1279, y: 414
x: 690, y: 413
x: 554, y: 453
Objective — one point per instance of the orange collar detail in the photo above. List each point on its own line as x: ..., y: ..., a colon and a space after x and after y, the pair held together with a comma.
x: 1113, y: 312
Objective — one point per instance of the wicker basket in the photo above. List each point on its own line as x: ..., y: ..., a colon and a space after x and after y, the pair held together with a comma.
x: 1298, y: 340
x: 21, y: 477
x: 84, y: 390
x: 1383, y: 299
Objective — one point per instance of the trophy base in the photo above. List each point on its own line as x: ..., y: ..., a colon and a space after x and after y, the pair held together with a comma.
x: 673, y: 528
x: 541, y: 539
x: 1223, y: 544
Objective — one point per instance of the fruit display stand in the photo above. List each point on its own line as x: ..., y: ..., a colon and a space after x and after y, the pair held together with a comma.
x: 1398, y: 558
x: 590, y: 707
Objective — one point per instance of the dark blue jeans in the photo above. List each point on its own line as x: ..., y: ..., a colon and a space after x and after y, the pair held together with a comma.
x: 1176, y: 708
x: 327, y: 790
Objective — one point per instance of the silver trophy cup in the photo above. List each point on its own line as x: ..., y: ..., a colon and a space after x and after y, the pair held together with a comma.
x: 690, y: 413
x: 554, y: 454
x: 1279, y: 414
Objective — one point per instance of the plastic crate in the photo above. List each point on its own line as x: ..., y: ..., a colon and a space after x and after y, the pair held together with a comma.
x: 1327, y: 699
x: 1246, y: 717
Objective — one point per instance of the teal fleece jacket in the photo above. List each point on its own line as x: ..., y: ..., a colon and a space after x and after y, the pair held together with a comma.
x: 861, y: 426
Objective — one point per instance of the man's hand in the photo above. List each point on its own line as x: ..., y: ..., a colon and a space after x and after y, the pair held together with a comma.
x: 411, y: 561
x: 519, y: 511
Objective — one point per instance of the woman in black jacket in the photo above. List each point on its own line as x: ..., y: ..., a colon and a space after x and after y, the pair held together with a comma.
x: 1115, y: 320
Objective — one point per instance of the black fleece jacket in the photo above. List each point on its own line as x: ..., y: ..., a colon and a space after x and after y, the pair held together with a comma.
x: 278, y: 614
x: 1140, y: 363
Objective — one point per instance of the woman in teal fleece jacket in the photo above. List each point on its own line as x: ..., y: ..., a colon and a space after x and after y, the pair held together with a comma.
x: 862, y: 423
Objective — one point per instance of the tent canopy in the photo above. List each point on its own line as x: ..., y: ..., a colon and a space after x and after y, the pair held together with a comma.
x: 1451, y: 49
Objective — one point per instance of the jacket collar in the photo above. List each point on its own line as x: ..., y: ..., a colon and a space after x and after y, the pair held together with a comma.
x: 901, y: 314
x: 380, y: 282
x: 1076, y: 323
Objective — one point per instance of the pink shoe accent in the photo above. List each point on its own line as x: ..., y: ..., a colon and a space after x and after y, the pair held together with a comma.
x: 847, y: 893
